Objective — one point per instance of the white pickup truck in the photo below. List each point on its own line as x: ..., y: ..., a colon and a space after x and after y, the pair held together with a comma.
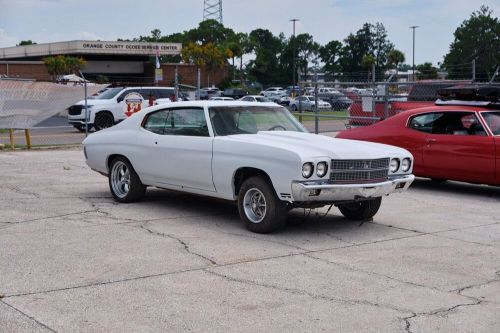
x: 108, y: 108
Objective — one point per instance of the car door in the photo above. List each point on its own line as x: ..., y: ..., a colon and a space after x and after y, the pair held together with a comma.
x: 455, y: 149
x: 179, y: 148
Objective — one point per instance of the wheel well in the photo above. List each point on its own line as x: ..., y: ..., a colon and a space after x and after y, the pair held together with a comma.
x: 243, y: 174
x: 112, y: 157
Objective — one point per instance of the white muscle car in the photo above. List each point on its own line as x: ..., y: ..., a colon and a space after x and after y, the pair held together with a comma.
x: 256, y: 154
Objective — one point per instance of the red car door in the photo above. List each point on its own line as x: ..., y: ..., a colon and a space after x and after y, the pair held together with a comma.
x: 457, y: 150
x: 466, y: 158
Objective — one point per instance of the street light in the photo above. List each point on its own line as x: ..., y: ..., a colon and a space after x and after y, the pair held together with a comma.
x: 414, y: 27
x: 293, y: 48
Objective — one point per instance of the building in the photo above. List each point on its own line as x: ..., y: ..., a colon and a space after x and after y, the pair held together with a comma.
x: 120, y: 62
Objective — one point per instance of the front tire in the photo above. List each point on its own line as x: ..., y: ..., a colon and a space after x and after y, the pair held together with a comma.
x: 124, y: 183
x: 260, y: 208
x: 362, y: 210
x: 103, y: 120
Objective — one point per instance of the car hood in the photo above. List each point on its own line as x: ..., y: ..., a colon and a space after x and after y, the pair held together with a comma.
x: 308, y: 145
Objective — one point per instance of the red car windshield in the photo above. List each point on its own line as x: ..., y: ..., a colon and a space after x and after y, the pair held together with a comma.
x: 493, y: 121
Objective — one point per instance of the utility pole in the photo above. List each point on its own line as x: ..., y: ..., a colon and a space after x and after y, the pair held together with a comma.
x: 414, y: 27
x: 293, y: 47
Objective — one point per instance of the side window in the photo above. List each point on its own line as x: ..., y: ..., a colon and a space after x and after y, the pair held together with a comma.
x: 164, y: 93
x: 493, y: 121
x: 448, y: 123
x: 458, y: 123
x: 156, y: 122
x: 189, y: 122
x: 423, y: 123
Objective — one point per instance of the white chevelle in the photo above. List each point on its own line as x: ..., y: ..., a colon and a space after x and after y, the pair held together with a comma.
x: 256, y: 154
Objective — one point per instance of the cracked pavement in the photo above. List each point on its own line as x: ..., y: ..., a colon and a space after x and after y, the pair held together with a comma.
x: 74, y: 260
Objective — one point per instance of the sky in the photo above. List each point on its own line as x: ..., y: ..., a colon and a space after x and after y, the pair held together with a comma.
x: 61, y: 20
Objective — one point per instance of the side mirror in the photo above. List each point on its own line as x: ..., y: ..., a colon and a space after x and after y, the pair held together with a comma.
x: 119, y: 99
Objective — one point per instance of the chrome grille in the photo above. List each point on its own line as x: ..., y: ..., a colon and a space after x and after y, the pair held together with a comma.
x: 75, y: 110
x: 359, y: 171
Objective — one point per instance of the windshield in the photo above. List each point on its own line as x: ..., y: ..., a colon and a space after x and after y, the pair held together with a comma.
x: 109, y: 93
x: 493, y: 121
x: 230, y: 120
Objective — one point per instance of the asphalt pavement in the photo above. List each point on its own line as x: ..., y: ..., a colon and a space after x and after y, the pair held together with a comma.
x: 74, y: 260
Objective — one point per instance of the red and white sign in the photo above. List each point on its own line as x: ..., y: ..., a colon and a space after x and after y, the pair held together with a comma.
x: 133, y: 103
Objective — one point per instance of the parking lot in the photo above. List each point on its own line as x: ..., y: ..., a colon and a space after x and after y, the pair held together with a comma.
x: 72, y: 259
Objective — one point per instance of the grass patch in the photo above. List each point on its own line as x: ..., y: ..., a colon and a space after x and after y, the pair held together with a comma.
x: 329, y: 113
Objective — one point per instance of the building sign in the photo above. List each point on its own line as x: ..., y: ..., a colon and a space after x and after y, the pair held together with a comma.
x: 90, y: 47
x: 150, y: 48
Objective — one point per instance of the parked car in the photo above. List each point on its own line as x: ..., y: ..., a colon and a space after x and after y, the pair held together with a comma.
x: 338, y: 100
x: 221, y: 98
x: 258, y: 155
x: 273, y: 91
x: 455, y: 140
x: 308, y: 103
x: 281, y: 100
x: 235, y: 93
x: 206, y: 93
x: 254, y: 98
x: 292, y: 90
x: 108, y: 108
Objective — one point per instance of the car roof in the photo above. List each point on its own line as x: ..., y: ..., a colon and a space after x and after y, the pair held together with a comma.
x: 208, y: 103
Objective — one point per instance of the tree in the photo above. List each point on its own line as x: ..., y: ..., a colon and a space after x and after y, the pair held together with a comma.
x: 62, y: 65
x: 369, y: 40
x: 426, y: 71
x: 210, y: 31
x: 26, y: 42
x: 265, y: 68
x: 330, y: 54
x: 307, y: 49
x: 381, y: 46
x: 477, y: 38
x: 395, y: 57
x: 207, y: 56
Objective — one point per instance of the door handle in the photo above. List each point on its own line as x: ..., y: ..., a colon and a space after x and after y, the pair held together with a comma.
x: 430, y: 140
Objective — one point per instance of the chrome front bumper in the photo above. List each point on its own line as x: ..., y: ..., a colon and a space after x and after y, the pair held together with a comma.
x: 311, y: 191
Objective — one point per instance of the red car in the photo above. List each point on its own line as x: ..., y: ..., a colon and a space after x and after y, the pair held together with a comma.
x: 456, y: 140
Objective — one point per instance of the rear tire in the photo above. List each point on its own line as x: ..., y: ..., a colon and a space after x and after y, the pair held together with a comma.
x: 103, y: 120
x: 260, y: 208
x: 362, y: 210
x: 124, y: 183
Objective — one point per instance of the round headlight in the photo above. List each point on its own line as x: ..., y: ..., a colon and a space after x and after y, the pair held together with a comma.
x: 394, y: 166
x: 321, y: 169
x: 307, y: 170
x: 405, y: 164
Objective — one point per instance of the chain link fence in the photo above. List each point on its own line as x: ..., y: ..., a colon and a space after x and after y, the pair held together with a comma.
x: 35, y: 114
x: 334, y: 106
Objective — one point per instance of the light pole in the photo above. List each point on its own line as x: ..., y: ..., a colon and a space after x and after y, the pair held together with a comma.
x: 414, y: 27
x: 293, y: 48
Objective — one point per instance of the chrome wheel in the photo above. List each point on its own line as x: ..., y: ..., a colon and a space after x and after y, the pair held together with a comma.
x: 120, y: 179
x: 254, y: 204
